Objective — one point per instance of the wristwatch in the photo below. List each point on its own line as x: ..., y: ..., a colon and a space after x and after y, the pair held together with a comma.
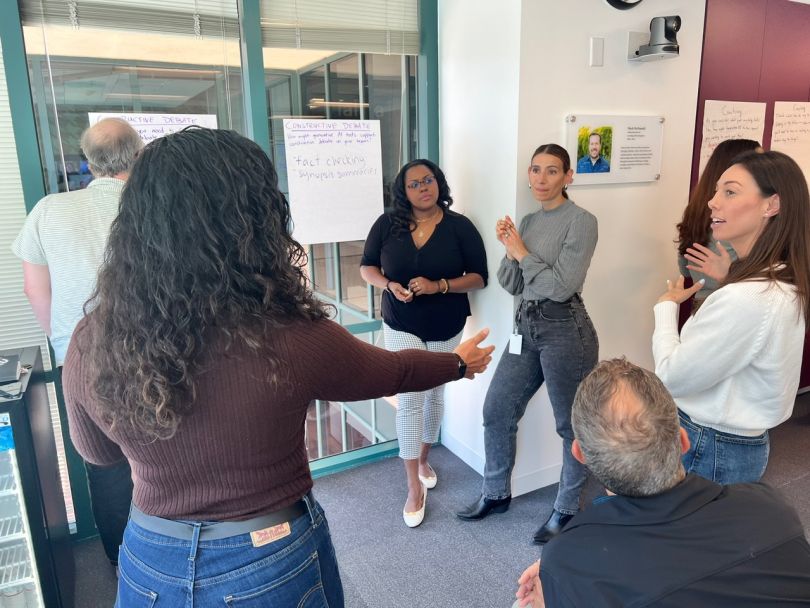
x: 462, y: 366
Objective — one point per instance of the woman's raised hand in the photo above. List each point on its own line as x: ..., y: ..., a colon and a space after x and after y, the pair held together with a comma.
x: 504, y: 228
x: 705, y: 261
x: 676, y: 293
x: 475, y: 357
x: 507, y: 234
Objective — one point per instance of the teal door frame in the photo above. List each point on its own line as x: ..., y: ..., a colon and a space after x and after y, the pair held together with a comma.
x: 257, y: 125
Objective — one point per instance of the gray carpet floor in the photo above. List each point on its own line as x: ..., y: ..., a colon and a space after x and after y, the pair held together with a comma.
x: 445, y: 562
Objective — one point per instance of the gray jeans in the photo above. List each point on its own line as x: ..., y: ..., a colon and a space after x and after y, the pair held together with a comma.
x: 559, y: 348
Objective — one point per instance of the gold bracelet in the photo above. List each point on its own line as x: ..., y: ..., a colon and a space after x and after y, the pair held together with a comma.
x: 446, y: 286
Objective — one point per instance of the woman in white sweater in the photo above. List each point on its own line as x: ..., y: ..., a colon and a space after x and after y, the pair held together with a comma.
x: 734, y: 369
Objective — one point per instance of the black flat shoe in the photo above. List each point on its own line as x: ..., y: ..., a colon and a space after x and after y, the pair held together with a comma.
x: 555, y: 524
x: 483, y: 507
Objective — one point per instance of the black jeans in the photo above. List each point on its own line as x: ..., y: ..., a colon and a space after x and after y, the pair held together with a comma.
x: 559, y: 348
x: 110, y: 497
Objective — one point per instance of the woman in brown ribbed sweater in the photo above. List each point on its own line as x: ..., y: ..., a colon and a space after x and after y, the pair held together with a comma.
x: 197, y: 363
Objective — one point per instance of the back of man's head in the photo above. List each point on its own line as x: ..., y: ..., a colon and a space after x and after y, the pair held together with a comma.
x: 111, y: 147
x: 626, y: 424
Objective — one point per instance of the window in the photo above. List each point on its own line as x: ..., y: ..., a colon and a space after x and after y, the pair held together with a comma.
x: 366, y: 71
x: 322, y: 59
x: 126, y: 56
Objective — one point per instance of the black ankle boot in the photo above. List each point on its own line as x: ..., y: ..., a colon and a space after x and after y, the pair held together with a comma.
x: 553, y: 526
x: 483, y: 507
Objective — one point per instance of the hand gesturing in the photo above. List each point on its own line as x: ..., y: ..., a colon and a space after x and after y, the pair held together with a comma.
x: 704, y: 260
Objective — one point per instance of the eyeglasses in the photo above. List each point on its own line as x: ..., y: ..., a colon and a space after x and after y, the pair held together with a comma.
x: 425, y: 181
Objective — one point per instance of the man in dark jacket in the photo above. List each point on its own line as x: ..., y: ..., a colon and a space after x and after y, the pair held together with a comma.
x: 661, y: 537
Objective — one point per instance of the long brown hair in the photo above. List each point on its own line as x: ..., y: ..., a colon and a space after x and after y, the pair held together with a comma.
x: 202, y: 244
x: 782, y: 250
x: 559, y: 152
x: 695, y: 223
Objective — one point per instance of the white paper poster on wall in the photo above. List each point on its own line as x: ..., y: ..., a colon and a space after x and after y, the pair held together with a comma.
x: 334, y: 172
x: 791, y: 132
x: 607, y: 149
x: 151, y: 126
x: 724, y: 120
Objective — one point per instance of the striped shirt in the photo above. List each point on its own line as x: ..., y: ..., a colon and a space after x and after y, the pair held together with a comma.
x: 67, y: 232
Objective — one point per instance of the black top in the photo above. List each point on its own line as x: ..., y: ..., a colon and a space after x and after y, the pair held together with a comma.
x: 455, y: 248
x: 699, y: 544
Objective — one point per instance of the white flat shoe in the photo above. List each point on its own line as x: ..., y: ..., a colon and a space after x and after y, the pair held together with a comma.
x: 429, y: 482
x: 414, y: 518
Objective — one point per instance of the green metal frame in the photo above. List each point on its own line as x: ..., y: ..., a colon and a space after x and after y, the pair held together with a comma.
x: 21, y: 104
x: 257, y: 126
x: 427, y: 75
x: 355, y: 458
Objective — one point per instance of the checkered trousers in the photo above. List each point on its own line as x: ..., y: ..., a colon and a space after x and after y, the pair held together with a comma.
x: 420, y: 414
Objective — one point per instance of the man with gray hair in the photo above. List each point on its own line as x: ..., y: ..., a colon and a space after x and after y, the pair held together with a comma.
x: 662, y: 537
x: 61, y: 246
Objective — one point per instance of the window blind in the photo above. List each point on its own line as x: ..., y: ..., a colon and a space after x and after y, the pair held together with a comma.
x: 367, y: 26
x: 199, y: 18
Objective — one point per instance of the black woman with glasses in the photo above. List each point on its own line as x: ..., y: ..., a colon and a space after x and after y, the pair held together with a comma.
x: 426, y: 258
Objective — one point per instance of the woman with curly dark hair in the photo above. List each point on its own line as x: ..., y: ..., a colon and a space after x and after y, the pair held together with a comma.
x: 425, y: 258
x: 203, y: 350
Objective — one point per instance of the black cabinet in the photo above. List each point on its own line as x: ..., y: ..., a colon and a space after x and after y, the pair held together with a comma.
x: 36, y: 558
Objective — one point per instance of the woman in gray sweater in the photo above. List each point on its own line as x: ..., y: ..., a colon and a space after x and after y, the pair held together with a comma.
x: 546, y: 261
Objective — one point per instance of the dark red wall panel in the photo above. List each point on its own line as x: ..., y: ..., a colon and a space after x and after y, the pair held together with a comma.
x: 755, y: 50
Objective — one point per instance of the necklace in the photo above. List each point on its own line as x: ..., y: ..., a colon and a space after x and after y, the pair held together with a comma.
x: 418, y: 221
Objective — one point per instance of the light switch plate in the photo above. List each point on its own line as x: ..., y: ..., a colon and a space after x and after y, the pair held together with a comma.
x: 596, y: 57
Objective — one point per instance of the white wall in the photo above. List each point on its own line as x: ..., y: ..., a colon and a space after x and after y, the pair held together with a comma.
x: 479, y: 64
x: 635, y: 254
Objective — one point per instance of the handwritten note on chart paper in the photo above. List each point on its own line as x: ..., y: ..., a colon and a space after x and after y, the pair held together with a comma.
x: 151, y: 126
x: 724, y: 120
x: 791, y: 132
x: 334, y: 171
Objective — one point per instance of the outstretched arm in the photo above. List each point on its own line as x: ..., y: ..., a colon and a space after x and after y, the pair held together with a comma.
x: 344, y: 368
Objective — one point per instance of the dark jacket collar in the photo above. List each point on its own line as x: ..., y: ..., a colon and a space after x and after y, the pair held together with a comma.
x: 684, y: 499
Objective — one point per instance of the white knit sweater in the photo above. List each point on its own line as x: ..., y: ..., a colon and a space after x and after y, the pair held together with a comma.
x: 735, y: 367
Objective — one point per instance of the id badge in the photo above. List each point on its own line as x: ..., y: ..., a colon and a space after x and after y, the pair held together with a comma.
x: 515, y: 343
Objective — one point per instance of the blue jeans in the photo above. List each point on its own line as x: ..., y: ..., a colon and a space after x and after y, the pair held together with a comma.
x: 298, y: 570
x: 559, y: 348
x: 723, y: 457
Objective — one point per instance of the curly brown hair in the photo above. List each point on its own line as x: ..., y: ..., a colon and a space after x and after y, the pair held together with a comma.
x: 201, y: 245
